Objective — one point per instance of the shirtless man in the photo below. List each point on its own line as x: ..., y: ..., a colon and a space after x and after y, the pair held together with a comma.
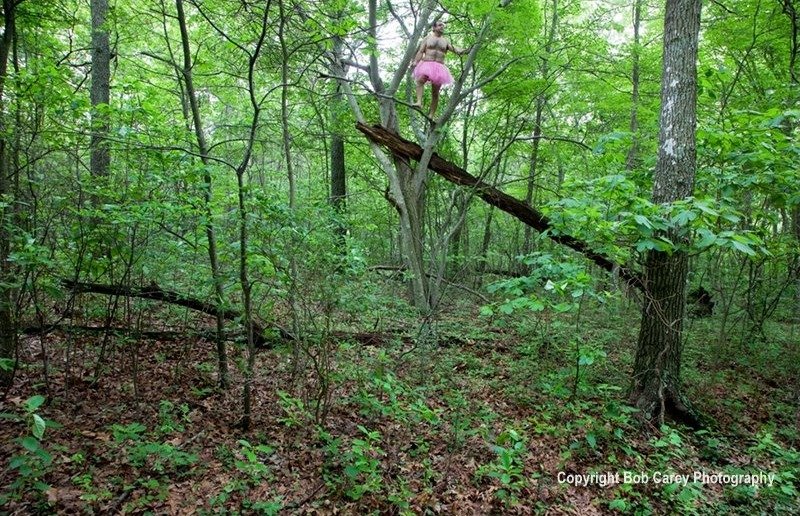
x: 429, y: 64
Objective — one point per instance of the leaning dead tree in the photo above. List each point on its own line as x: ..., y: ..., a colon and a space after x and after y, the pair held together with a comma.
x: 406, y: 151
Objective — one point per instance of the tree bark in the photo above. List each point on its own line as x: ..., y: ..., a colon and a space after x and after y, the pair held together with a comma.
x: 656, y: 388
x: 338, y: 172
x: 8, y: 325
x: 100, y: 159
x: 156, y: 293
x: 790, y: 10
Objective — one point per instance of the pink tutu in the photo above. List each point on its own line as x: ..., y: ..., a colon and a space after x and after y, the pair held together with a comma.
x: 435, y: 72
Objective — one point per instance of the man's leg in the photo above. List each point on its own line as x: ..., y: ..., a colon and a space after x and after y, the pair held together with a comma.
x: 421, y: 90
x: 434, y: 98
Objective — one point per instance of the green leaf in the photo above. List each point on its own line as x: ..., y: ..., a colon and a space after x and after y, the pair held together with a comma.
x: 618, y: 504
x: 30, y: 443
x: 38, y: 426
x: 743, y: 248
x: 643, y: 221
x: 592, y: 440
x: 684, y: 217
x: 34, y: 402
x: 707, y: 238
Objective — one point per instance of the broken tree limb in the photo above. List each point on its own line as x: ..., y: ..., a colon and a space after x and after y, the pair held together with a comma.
x: 156, y: 293
x: 403, y: 148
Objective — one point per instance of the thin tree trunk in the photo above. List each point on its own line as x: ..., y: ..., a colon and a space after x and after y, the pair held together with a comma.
x: 656, y: 388
x: 287, y: 154
x: 533, y: 164
x: 541, y: 103
x: 633, y: 152
x: 790, y: 10
x: 216, y: 278
x: 244, y: 279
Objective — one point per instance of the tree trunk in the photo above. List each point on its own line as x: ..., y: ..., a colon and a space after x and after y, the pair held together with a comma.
x: 338, y: 177
x: 541, y: 103
x: 8, y: 327
x: 656, y: 388
x: 533, y: 164
x: 100, y: 159
x: 790, y: 10
x: 633, y: 153
x: 216, y: 278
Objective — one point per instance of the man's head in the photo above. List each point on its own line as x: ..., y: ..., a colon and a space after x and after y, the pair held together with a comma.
x: 438, y: 27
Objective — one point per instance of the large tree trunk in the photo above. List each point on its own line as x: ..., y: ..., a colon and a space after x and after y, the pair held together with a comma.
x: 100, y: 159
x: 656, y: 388
x: 8, y: 328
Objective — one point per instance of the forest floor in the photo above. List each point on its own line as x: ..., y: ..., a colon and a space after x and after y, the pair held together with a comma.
x: 470, y: 416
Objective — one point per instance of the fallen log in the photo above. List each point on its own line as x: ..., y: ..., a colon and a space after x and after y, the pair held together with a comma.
x: 116, y: 330
x: 156, y: 293
x: 522, y: 211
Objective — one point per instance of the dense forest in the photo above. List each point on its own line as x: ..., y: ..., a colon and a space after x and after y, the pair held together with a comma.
x: 243, y: 270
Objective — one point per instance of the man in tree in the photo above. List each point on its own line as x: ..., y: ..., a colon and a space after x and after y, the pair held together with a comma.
x: 429, y: 64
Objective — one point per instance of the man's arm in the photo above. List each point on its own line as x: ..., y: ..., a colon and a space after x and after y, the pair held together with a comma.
x: 423, y: 45
x: 459, y: 51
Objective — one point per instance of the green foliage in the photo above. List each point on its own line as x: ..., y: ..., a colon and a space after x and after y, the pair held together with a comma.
x: 32, y: 460
x: 508, y: 467
x: 383, y: 394
x: 552, y: 283
x: 785, y: 491
x: 358, y: 465
x: 294, y: 409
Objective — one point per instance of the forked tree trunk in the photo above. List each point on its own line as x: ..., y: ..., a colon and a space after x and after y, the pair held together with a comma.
x: 656, y: 387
